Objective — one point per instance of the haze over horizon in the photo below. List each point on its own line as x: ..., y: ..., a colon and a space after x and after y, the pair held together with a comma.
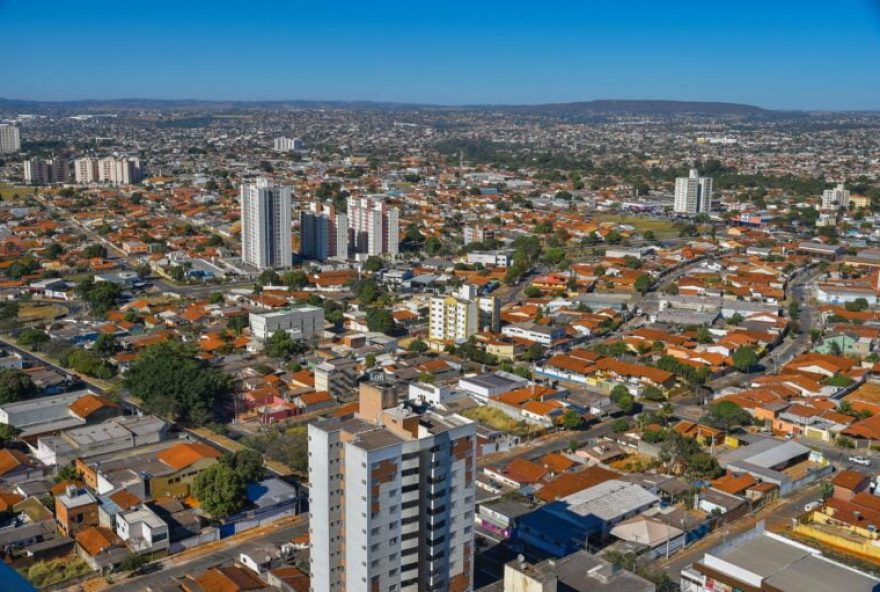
x: 781, y: 55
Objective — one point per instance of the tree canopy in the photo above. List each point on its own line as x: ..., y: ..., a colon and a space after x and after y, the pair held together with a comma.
x: 16, y: 385
x: 172, y: 382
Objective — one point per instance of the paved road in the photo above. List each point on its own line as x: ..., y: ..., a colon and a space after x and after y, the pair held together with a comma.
x: 207, y: 556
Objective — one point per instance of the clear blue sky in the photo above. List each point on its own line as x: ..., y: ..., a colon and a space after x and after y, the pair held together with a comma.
x: 773, y: 53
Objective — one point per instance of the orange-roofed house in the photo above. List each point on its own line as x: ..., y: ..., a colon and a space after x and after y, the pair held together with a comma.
x: 517, y: 473
x: 184, y: 461
x: 15, y: 467
x: 224, y: 579
x: 100, y: 547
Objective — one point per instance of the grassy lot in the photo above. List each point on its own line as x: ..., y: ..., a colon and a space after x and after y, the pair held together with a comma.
x: 7, y: 191
x: 497, y: 420
x: 36, y: 312
x: 46, y: 573
x: 661, y: 227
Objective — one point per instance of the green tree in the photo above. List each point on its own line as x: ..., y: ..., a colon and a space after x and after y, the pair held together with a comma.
x: 216, y: 298
x: 433, y: 246
x: 727, y: 415
x: 100, y: 296
x: 87, y: 362
x: 281, y: 345
x: 643, y: 283
x: 794, y: 310
x: 571, y: 420
x: 247, y: 464
x: 269, y: 278
x: 744, y: 359
x: 296, y: 279
x: 33, y: 338
x: 380, y: 320
x: 532, y: 292
x: 703, y: 335
x: 418, y: 346
x: 620, y: 425
x: 8, y: 434
x: 106, y: 345
x: 220, y: 491
x: 172, y: 382
x: 373, y: 263
x: 16, y: 385
x: 95, y: 251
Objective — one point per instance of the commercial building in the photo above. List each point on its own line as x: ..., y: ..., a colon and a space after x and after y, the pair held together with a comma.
x: 304, y: 322
x: 265, y: 225
x: 323, y: 233
x: 760, y: 560
x: 391, y: 499
x: 43, y: 172
x: 693, y: 194
x: 10, y: 139
x: 374, y: 225
x: 835, y: 198
x: 288, y: 144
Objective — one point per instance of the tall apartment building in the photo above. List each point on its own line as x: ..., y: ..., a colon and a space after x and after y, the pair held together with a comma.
x: 835, y: 198
x: 10, y: 138
x: 693, y: 194
x: 391, y: 499
x: 85, y: 170
x: 456, y: 317
x: 43, y: 172
x: 265, y: 225
x: 119, y: 171
x: 288, y: 144
x: 375, y: 226
x: 323, y: 233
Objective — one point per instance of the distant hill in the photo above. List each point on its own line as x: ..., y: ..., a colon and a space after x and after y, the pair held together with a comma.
x: 634, y: 107
x: 580, y: 109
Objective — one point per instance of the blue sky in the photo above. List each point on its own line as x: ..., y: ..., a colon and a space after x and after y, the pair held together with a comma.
x: 773, y: 53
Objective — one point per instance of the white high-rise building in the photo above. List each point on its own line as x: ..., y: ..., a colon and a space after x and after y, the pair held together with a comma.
x: 10, y: 139
x: 454, y: 318
x: 86, y: 170
x: 833, y: 199
x: 265, y: 225
x: 43, y: 172
x: 288, y: 144
x: 375, y: 226
x: 323, y: 233
x: 693, y: 194
x: 119, y: 171
x: 391, y: 499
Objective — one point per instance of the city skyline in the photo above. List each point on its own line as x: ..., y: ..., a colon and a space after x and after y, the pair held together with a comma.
x: 776, y: 56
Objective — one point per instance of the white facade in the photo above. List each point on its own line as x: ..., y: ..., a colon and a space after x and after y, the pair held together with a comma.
x: 323, y: 233
x: 10, y: 139
x: 693, y: 194
x: 374, y: 225
x: 265, y: 225
x: 288, y: 144
x: 304, y: 322
x: 491, y: 258
x: 85, y: 170
x: 391, y: 510
x: 452, y: 319
x: 119, y: 171
x: 835, y: 198
x: 43, y: 172
x: 142, y: 530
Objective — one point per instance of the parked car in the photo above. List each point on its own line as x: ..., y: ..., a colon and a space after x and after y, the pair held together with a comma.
x: 859, y: 460
x: 811, y: 506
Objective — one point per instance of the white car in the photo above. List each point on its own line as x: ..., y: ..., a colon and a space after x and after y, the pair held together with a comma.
x: 859, y: 460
